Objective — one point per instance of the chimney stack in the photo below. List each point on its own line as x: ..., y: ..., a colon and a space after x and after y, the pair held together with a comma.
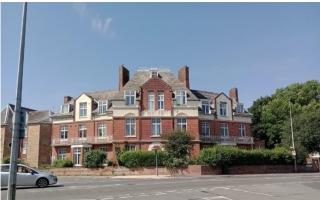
x: 184, y: 76
x: 124, y: 76
x: 233, y: 94
x: 66, y: 99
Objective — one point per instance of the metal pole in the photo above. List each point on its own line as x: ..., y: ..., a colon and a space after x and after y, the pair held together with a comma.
x: 157, y: 162
x: 17, y: 110
x: 292, y: 138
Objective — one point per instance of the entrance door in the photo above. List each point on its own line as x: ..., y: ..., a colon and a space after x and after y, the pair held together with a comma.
x: 76, y: 156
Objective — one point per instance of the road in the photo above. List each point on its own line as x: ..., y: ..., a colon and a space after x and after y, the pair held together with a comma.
x: 224, y: 187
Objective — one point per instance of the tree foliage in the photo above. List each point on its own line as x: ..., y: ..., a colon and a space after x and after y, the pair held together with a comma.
x: 94, y: 158
x: 178, y: 147
x: 271, y: 120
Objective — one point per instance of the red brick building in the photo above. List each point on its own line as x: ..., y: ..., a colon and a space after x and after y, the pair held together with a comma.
x: 35, y: 146
x: 145, y: 107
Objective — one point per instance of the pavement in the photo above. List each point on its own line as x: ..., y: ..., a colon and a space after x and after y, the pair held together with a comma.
x: 220, y: 187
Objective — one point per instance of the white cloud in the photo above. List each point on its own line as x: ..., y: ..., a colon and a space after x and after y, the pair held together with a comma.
x: 80, y: 8
x: 102, y: 25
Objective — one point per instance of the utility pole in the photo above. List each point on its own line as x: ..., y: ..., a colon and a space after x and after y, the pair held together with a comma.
x: 17, y: 112
x: 294, y: 154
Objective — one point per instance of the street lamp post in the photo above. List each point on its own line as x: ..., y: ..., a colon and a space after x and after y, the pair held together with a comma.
x: 292, y: 138
x: 156, y: 151
x: 11, y: 195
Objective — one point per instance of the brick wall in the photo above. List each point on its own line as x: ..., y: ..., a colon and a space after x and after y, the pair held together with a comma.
x: 154, y: 85
x: 45, y: 144
x: 5, y: 141
x: 33, y: 145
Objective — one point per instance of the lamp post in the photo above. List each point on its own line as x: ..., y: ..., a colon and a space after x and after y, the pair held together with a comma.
x: 11, y: 195
x: 155, y: 148
x: 294, y: 154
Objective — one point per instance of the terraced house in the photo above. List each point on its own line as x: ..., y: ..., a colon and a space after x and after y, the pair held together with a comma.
x: 146, y: 106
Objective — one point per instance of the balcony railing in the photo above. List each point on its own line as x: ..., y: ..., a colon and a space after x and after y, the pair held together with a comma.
x: 226, y: 139
x: 86, y: 140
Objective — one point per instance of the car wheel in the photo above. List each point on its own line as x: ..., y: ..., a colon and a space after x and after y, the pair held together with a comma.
x: 42, y: 182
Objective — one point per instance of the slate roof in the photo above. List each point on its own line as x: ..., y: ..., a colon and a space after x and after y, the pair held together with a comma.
x: 102, y: 95
x: 40, y: 116
x: 142, y: 76
x: 7, y: 113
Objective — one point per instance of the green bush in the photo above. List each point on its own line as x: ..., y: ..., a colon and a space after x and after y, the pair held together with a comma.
x: 226, y: 156
x: 134, y: 159
x: 62, y: 163
x: 6, y: 160
x: 94, y: 158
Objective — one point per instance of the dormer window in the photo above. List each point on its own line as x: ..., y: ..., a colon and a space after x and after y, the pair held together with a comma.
x: 102, y: 106
x: 154, y: 73
x: 205, y: 107
x: 181, y: 97
x: 65, y: 108
x: 223, y: 108
x: 83, y: 109
x: 130, y: 97
x: 240, y: 108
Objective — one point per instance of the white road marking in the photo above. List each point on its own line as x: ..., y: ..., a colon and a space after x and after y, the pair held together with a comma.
x: 217, y: 197
x: 171, y: 191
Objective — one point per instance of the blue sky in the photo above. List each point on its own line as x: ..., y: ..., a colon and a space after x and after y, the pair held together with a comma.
x: 74, y: 48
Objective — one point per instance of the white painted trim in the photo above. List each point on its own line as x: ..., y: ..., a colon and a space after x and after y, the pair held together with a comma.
x: 81, y: 145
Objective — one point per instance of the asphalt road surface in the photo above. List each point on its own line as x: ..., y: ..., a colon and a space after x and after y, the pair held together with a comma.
x: 224, y: 187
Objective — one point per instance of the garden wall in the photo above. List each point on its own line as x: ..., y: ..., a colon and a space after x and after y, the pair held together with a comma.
x: 192, y: 170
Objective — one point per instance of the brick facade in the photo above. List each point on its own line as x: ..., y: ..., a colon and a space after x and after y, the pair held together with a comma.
x: 143, y: 83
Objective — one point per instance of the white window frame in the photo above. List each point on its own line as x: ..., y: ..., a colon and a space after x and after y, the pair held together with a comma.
x: 130, y: 97
x: 156, y: 127
x: 181, y: 97
x: 83, y: 109
x: 160, y: 100
x: 240, y: 108
x: 242, y: 130
x: 223, y: 109
x: 82, y: 131
x: 77, y: 156
x: 154, y: 73
x: 130, y: 147
x: 102, y: 128
x: 205, y: 106
x: 130, y: 127
x: 104, y: 149
x: 64, y: 132
x: 24, y: 148
x: 62, y: 109
x: 62, y: 153
x: 205, y: 129
x: 224, y: 130
x: 181, y: 123
x: 102, y: 106
x: 151, y: 101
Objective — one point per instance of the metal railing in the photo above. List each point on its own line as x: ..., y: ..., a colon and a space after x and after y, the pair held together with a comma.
x: 226, y: 139
x: 79, y: 140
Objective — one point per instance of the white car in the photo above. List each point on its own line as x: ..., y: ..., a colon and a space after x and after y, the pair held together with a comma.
x: 27, y: 176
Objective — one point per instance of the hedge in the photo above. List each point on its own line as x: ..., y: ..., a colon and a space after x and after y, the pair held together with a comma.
x: 135, y: 159
x: 227, y: 156
x: 94, y: 158
x: 62, y: 163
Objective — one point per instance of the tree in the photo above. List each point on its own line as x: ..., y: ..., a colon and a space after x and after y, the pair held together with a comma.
x: 178, y: 147
x: 271, y: 120
x: 94, y: 158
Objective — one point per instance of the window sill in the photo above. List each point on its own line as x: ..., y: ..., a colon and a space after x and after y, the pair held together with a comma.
x: 130, y: 136
x: 155, y: 136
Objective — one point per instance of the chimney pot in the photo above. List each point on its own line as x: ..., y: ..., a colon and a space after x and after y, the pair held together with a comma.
x: 66, y: 99
x: 184, y: 76
x: 124, y: 76
x: 233, y: 94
